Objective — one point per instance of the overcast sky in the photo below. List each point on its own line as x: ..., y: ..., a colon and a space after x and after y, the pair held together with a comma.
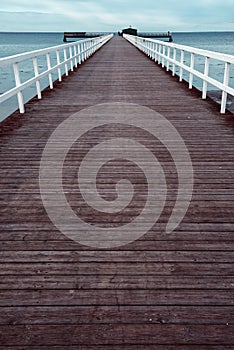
x: 113, y: 15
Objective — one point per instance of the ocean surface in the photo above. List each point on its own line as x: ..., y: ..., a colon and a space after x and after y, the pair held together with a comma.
x: 15, y: 43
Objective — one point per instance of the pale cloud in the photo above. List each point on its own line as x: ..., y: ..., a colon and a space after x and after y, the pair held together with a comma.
x: 105, y: 15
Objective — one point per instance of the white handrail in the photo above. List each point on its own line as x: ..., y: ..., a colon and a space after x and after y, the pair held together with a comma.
x: 79, y: 51
x: 162, y: 52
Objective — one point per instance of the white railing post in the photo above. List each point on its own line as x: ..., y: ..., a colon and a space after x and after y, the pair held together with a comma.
x: 59, y: 68
x: 79, y: 53
x: 206, y: 72
x: 49, y: 67
x: 75, y: 55
x: 168, y: 58
x: 191, y: 74
x: 225, y: 83
x: 65, y: 60
x: 85, y: 50
x: 82, y: 51
x: 174, y: 60
x: 163, y: 59
x: 18, y: 83
x: 152, y: 50
x: 159, y: 53
x: 90, y: 48
x: 156, y: 52
x: 36, y: 73
x: 71, y: 59
x: 182, y: 62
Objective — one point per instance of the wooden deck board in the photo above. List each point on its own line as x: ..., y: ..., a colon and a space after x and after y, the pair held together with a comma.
x: 160, y: 292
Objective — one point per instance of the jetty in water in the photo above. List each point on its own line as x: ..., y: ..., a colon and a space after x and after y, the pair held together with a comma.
x: 131, y: 31
x: 155, y: 35
x: 80, y: 35
x: 117, y: 283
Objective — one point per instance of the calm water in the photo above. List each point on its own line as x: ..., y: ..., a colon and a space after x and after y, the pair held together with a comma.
x: 14, y: 43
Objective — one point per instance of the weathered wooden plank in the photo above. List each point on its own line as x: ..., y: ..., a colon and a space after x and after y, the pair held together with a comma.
x: 143, y: 244
x: 130, y: 256
x: 117, y: 334
x: 115, y: 314
x: 113, y: 269
x: 125, y: 347
x: 186, y: 240
x: 116, y: 282
x: 119, y: 297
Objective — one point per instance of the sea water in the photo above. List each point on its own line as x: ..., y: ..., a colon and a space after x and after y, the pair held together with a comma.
x: 15, y: 43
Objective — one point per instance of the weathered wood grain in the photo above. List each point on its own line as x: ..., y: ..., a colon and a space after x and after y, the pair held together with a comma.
x: 163, y: 292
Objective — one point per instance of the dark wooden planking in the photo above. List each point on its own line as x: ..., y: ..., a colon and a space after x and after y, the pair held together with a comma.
x: 120, y: 297
x: 160, y: 292
x: 124, y: 347
x: 132, y: 256
x: 150, y: 244
x: 146, y: 334
x: 113, y: 269
x: 32, y: 282
x: 113, y: 314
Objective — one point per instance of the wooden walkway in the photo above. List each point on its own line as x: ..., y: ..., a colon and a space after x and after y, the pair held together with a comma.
x: 160, y: 292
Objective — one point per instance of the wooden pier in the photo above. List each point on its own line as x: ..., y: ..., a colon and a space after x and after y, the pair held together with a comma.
x: 80, y: 35
x: 167, y: 35
x: 162, y: 291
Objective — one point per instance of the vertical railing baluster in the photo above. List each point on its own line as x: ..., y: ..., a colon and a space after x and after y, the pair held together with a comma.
x: 85, y: 50
x: 152, y: 50
x: 71, y: 59
x: 225, y: 83
x: 163, y: 59
x: 206, y: 72
x: 181, y: 62
x: 191, y: 74
x: 65, y: 60
x: 59, y: 68
x: 159, y: 53
x: 174, y: 60
x: 168, y: 57
x: 49, y: 67
x: 36, y: 73
x: 82, y: 51
x: 79, y: 53
x: 75, y: 55
x: 17, y: 84
x: 155, y: 51
x: 89, y: 52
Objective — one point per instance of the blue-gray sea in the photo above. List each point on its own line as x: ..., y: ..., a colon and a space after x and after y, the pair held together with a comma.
x: 14, y: 43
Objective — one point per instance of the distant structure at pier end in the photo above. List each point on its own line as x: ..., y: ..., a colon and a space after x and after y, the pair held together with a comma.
x: 133, y: 31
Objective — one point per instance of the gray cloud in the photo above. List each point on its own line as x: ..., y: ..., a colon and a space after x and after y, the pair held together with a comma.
x: 60, y: 15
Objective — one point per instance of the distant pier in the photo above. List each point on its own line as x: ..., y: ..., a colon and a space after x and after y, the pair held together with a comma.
x: 82, y: 35
x: 133, y: 31
x: 157, y: 35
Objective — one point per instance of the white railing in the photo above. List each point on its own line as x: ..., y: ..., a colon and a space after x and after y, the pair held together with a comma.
x: 171, y: 56
x: 68, y: 56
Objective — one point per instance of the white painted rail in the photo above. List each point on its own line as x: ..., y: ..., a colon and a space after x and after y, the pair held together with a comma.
x: 171, y: 56
x: 68, y: 56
